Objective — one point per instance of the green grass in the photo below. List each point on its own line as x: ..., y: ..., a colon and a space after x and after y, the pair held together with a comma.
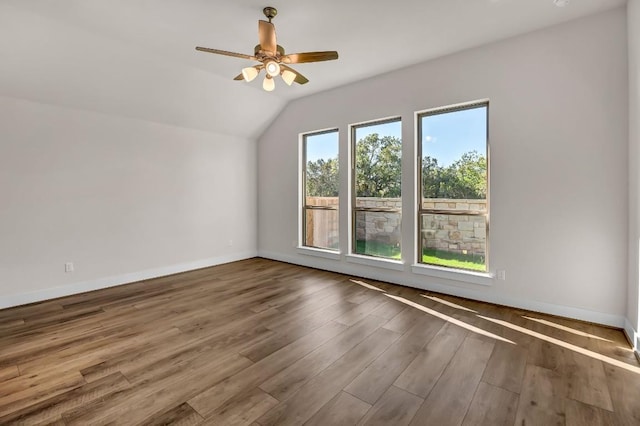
x: 453, y: 260
x: 429, y: 256
x: 378, y: 249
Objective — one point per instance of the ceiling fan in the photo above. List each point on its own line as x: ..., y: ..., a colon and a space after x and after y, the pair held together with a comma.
x: 272, y: 57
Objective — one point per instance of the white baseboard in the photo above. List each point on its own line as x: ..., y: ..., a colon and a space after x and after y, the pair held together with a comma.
x: 611, y: 320
x: 632, y: 335
x: 100, y: 283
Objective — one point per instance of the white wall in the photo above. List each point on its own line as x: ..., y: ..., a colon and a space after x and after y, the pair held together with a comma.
x: 124, y: 199
x: 633, y: 27
x: 558, y: 128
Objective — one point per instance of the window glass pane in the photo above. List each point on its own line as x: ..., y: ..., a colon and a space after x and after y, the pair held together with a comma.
x: 454, y: 170
x: 454, y: 155
x: 322, y: 229
x: 321, y: 186
x: 456, y: 241
x: 322, y: 178
x: 378, y: 234
x: 377, y: 189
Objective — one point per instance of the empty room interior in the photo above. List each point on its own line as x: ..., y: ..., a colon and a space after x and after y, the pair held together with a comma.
x: 320, y: 213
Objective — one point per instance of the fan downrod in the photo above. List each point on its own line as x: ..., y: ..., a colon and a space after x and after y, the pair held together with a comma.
x: 270, y: 12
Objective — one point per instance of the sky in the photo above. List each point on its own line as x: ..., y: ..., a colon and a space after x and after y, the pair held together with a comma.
x: 444, y: 136
x: 447, y: 136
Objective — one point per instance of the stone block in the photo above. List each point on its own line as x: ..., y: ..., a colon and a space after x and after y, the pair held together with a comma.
x: 455, y: 235
x: 465, y: 226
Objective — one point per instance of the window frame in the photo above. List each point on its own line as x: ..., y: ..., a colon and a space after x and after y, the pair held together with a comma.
x: 353, y: 192
x: 304, y: 206
x: 420, y: 206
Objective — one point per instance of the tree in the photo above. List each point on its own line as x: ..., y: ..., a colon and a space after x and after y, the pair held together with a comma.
x: 322, y: 178
x: 378, y: 166
x: 464, y: 179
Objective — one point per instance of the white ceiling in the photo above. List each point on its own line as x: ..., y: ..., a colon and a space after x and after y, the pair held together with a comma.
x: 136, y: 58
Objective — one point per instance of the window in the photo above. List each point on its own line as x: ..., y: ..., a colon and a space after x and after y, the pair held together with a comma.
x: 453, y: 185
x: 377, y: 202
x: 321, y: 184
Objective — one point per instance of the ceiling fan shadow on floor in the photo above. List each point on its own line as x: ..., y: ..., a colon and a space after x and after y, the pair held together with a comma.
x: 272, y: 56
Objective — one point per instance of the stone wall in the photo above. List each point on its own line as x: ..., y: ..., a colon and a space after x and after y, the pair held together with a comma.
x: 464, y: 234
x: 379, y: 226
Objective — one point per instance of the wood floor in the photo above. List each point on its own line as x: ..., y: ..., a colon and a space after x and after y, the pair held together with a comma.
x: 259, y: 342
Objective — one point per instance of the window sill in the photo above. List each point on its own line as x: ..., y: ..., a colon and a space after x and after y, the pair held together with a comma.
x: 326, y: 254
x: 481, y: 278
x: 395, y: 265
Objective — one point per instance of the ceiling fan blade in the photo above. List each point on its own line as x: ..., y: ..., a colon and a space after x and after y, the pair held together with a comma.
x: 300, y: 79
x: 299, y: 58
x: 267, y: 36
x: 241, y: 77
x: 226, y: 53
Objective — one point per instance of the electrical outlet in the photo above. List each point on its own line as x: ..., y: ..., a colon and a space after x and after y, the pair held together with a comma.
x: 68, y: 267
x: 501, y: 274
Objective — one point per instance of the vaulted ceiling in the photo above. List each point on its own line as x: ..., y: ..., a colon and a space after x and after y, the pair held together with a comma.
x: 136, y: 58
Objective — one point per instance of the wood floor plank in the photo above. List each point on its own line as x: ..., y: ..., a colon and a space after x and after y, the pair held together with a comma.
x: 51, y: 409
x: 146, y: 399
x: 450, y: 398
x: 404, y: 320
x: 24, y: 391
x: 580, y: 414
x: 242, y: 409
x: 288, y: 333
x: 492, y: 405
x: 506, y: 366
x: 343, y: 409
x: 586, y: 381
x: 302, y: 405
x: 260, y: 341
x: 180, y: 415
x: 396, y: 407
x: 425, y: 370
x: 289, y: 380
x: 624, y: 388
x: 9, y: 372
x: 209, y: 400
x: 380, y: 374
x: 362, y: 310
x: 542, y: 400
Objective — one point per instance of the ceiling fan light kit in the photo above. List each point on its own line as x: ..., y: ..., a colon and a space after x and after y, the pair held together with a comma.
x: 272, y: 57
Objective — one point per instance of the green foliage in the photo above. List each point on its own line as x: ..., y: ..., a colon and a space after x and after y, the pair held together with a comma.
x: 379, y: 169
x: 465, y: 178
x: 378, y: 166
x: 322, y: 178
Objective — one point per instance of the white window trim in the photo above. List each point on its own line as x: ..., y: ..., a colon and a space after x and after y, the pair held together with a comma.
x: 302, y: 193
x: 470, y: 277
x: 352, y: 257
x: 463, y: 275
x: 377, y: 262
x: 318, y: 252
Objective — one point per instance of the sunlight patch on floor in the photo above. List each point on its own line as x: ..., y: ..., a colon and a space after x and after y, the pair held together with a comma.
x: 566, y: 345
x: 567, y: 329
x: 446, y: 302
x: 369, y: 286
x: 449, y: 319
